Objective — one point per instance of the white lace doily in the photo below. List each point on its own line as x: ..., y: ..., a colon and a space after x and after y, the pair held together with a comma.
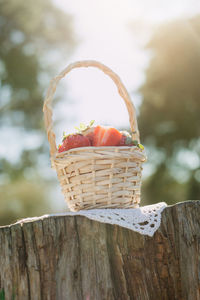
x: 145, y: 220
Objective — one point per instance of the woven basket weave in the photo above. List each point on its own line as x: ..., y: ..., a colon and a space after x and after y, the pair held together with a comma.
x: 97, y: 177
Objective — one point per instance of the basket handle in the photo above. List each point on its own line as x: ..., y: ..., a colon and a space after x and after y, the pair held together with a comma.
x: 47, y: 109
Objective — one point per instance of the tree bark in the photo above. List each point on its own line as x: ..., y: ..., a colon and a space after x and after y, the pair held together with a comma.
x: 72, y: 257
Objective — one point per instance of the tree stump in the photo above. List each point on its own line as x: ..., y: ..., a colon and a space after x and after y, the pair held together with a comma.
x: 72, y: 257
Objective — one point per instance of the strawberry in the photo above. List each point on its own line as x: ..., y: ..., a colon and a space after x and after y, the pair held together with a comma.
x: 74, y: 141
x: 87, y: 130
x: 122, y: 142
x: 61, y: 148
x: 126, y: 139
x: 106, y: 136
x: 96, y: 136
x: 90, y: 136
x: 89, y: 133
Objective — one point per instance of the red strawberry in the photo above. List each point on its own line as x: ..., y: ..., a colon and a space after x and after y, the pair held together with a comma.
x: 90, y: 136
x: 104, y: 136
x: 89, y: 133
x: 61, y: 148
x: 125, y: 141
x: 122, y: 142
x: 74, y: 141
x: 98, y: 135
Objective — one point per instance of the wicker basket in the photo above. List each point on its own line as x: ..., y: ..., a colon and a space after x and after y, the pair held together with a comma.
x: 97, y: 177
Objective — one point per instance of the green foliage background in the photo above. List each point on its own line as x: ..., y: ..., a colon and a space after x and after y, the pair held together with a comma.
x: 170, y: 113
x: 34, y: 37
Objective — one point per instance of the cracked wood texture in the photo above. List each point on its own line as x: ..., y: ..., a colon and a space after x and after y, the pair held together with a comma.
x: 74, y: 258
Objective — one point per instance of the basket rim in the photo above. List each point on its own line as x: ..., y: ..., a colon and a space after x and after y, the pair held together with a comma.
x: 72, y: 153
x: 79, y: 149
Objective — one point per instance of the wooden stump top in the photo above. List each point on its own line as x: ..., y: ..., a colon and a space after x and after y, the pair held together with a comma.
x: 72, y: 257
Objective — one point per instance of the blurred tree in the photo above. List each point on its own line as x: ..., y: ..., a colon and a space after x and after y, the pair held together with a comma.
x: 34, y: 36
x: 22, y: 199
x: 169, y: 118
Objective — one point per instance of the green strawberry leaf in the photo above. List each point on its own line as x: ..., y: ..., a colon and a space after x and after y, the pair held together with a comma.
x: 141, y: 146
x: 91, y: 123
x: 82, y: 126
x: 66, y: 135
x: 135, y: 142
